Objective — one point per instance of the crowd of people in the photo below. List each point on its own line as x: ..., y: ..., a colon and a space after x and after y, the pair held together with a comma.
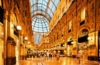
x: 47, y: 55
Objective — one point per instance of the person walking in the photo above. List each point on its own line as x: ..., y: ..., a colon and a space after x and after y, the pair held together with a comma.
x: 58, y: 55
x: 79, y: 56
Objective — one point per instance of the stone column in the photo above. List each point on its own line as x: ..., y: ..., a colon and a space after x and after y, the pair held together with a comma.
x: 10, y: 51
x: 5, y: 33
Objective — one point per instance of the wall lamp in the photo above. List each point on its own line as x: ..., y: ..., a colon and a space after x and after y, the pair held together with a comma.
x: 26, y: 38
x: 28, y: 42
x: 19, y: 27
x: 89, y: 38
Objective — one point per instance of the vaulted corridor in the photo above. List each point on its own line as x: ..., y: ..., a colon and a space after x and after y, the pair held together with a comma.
x: 49, y: 32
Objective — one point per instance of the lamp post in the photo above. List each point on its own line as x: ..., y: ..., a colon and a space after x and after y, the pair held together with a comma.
x: 18, y: 46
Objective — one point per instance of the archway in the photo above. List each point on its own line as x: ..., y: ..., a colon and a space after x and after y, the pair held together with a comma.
x: 83, y: 43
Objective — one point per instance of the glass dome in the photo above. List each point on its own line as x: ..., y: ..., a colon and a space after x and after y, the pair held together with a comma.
x: 40, y: 24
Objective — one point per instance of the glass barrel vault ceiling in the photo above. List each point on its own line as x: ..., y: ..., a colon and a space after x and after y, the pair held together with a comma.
x: 44, y: 7
x: 42, y: 13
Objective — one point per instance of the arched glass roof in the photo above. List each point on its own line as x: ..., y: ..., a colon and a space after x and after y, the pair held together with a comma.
x: 42, y: 13
x: 44, y: 7
x: 40, y: 24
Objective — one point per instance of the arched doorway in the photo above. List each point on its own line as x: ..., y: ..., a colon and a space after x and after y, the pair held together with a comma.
x: 83, y: 43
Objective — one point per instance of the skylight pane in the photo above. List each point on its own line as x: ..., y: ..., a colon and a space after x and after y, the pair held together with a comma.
x: 35, y: 29
x: 34, y: 19
x: 48, y: 11
x: 39, y: 21
x: 34, y: 1
x: 51, y: 14
x: 50, y: 5
x: 35, y: 7
x: 53, y: 8
x: 39, y: 7
x: 39, y: 1
x: 53, y: 1
x: 31, y: 1
x: 56, y: 2
x: 39, y: 4
x: 45, y: 29
x: 40, y: 25
x: 43, y: 8
x: 40, y: 29
x: 36, y: 24
x: 43, y: 25
x: 46, y: 23
x: 44, y: 2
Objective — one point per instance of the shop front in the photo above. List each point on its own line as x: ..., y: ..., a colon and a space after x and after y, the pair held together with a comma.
x: 83, y: 44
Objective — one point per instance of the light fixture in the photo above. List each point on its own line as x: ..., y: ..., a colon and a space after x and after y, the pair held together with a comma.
x: 72, y: 42
x: 89, y: 38
x: 26, y: 38
x: 19, y: 27
x: 28, y: 42
x: 17, y: 40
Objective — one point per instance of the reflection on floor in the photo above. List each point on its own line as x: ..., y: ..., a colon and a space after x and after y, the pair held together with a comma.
x: 53, y: 61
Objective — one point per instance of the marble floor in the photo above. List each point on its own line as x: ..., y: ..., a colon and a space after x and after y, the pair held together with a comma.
x: 54, y: 61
